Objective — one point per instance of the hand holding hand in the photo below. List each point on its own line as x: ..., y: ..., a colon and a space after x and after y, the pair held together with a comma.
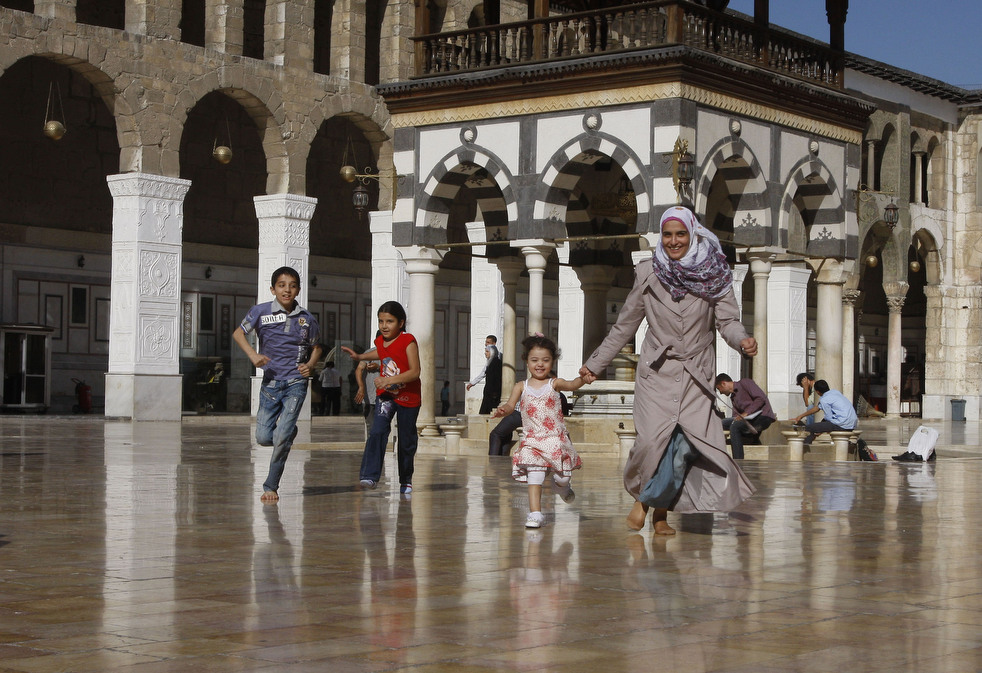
x: 587, y: 375
x: 498, y: 412
x: 749, y: 347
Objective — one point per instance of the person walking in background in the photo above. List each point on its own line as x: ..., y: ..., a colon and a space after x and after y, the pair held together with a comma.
x: 445, y: 398
x: 288, y: 349
x: 398, y: 396
x: 806, y: 382
x: 839, y: 412
x: 752, y: 412
x: 330, y: 390
x: 684, y: 290
x: 545, y: 443
x: 492, y: 372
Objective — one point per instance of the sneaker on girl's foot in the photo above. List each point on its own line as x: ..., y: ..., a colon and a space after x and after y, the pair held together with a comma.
x: 564, y: 492
x: 534, y: 520
x: 406, y: 488
x: 367, y: 484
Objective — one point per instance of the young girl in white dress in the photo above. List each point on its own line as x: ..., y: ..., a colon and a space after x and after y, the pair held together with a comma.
x: 545, y: 443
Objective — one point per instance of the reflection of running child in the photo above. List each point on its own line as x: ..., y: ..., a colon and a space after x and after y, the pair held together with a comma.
x: 545, y: 443
x: 398, y: 395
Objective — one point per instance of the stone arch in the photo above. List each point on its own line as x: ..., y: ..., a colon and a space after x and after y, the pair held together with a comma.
x: 732, y: 164
x: 928, y: 241
x: 475, y: 168
x: 269, y: 116
x: 811, y: 190
x: 128, y: 135
x: 564, y: 169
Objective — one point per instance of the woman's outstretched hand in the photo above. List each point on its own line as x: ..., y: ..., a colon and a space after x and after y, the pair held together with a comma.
x: 749, y: 347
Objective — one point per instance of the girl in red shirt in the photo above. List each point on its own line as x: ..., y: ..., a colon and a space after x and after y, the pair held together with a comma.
x: 398, y: 396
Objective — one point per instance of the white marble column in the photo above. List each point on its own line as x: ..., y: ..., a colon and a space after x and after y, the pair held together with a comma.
x: 918, y: 181
x: 760, y: 267
x: 390, y: 282
x: 143, y: 381
x: 510, y: 269
x: 422, y: 264
x: 571, y: 317
x: 595, y: 281
x: 487, y: 299
x: 849, y: 300
x: 787, y: 324
x: 728, y: 361
x: 284, y: 240
x: 895, y: 306
x: 870, y: 164
x: 536, y: 255
x: 828, y: 326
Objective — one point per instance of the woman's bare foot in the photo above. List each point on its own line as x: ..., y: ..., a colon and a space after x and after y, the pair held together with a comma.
x: 270, y: 496
x: 660, y: 524
x: 635, y: 520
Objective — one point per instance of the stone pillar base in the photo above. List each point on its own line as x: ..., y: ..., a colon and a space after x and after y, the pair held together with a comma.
x: 143, y: 397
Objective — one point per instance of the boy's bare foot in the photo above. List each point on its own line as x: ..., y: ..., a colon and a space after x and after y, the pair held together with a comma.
x: 270, y: 496
x: 635, y: 520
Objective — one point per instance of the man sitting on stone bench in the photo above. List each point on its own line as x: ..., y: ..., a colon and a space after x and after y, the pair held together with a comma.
x: 752, y: 412
x: 840, y: 416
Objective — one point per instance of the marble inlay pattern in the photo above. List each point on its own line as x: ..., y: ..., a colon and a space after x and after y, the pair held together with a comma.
x: 144, y: 548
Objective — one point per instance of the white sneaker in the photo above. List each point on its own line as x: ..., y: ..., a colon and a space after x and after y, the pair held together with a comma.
x: 367, y: 484
x: 534, y: 520
x: 564, y: 492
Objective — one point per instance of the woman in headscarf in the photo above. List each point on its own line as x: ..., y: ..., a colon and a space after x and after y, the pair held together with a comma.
x: 684, y: 291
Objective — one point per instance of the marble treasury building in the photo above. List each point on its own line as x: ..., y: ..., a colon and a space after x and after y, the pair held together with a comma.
x: 520, y: 157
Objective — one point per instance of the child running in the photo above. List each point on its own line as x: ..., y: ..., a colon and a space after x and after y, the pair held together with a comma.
x: 288, y: 350
x: 545, y: 443
x: 398, y: 395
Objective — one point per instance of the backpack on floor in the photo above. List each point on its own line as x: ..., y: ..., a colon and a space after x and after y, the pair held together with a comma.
x: 863, y: 451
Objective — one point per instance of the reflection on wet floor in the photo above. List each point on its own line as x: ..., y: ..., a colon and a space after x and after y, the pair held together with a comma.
x: 144, y: 548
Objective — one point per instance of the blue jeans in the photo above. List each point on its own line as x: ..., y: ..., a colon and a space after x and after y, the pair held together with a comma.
x: 378, y: 438
x: 742, y: 428
x: 276, y: 423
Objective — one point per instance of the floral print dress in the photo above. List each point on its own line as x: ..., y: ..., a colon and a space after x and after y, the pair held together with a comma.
x: 545, y: 442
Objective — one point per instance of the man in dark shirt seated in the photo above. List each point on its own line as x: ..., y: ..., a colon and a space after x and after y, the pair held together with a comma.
x: 752, y: 412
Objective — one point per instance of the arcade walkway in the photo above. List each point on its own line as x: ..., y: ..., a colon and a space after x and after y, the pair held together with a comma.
x: 143, y: 548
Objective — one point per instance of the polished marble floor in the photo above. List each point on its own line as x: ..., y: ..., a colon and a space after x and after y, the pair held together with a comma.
x: 145, y: 548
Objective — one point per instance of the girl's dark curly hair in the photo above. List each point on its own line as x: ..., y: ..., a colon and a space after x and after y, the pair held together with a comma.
x: 539, y: 341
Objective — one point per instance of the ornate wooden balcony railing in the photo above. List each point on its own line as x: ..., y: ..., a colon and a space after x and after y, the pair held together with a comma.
x: 628, y: 27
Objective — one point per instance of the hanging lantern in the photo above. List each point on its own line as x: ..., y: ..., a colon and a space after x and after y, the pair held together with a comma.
x: 222, y: 154
x: 53, y: 128
x: 891, y: 214
x: 687, y: 168
x: 359, y: 197
x: 915, y: 266
x: 872, y: 261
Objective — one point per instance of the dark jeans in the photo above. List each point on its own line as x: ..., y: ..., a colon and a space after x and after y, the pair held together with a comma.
x: 276, y: 423
x: 378, y: 438
x: 501, y: 434
x: 740, y: 431
x: 820, y: 427
x: 330, y: 401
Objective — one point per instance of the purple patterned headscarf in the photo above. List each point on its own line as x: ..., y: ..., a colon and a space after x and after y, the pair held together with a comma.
x: 703, y: 271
